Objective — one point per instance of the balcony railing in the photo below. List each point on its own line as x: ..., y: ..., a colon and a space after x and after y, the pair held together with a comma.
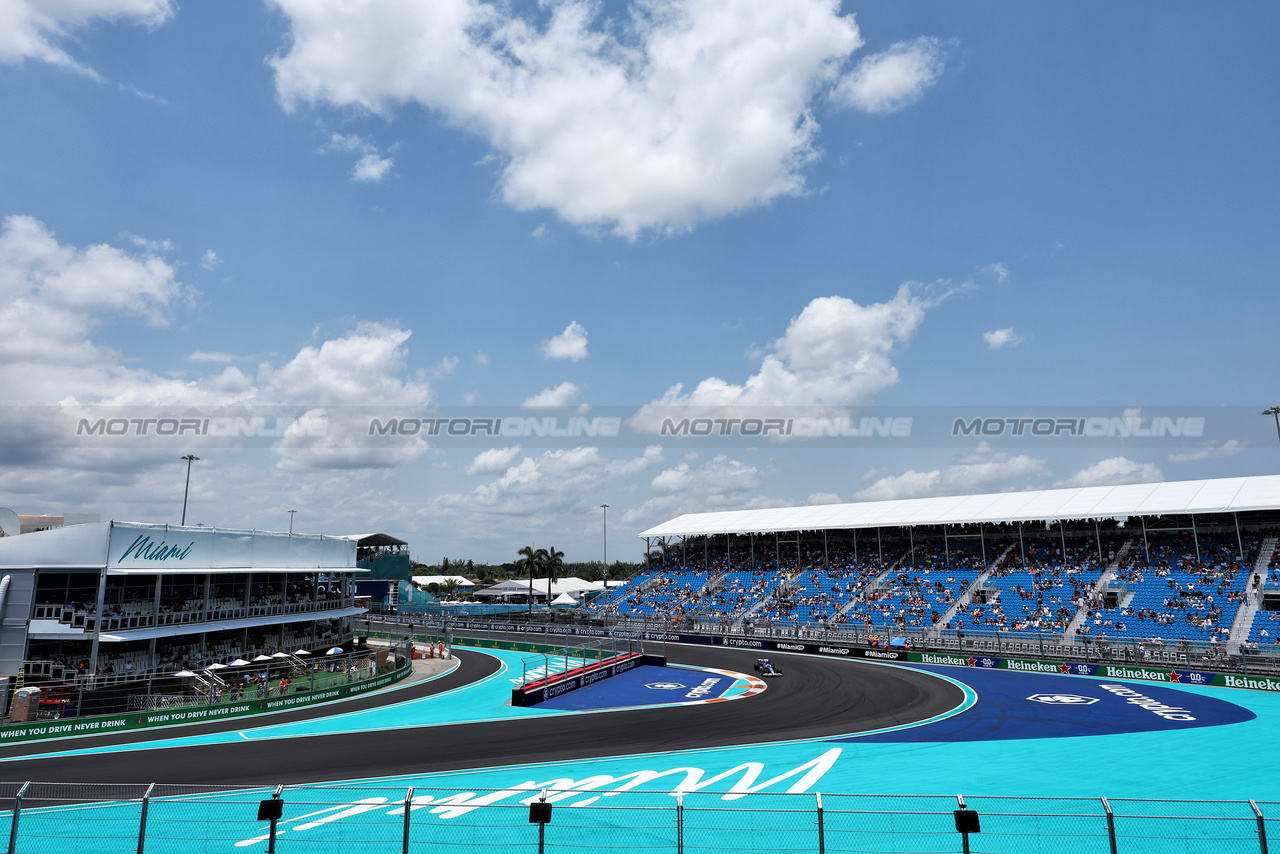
x: 78, y: 619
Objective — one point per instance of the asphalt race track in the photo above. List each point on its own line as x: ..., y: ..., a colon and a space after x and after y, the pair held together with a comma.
x: 817, y: 697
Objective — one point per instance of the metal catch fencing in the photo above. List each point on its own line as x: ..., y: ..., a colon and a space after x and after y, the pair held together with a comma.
x: 385, y: 819
x: 573, y: 656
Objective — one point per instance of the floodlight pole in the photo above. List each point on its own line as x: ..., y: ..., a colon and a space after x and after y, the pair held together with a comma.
x: 1275, y: 413
x: 291, y: 512
x: 604, y: 576
x: 190, y: 458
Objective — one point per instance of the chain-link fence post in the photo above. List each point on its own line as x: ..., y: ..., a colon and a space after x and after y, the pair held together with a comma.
x: 822, y: 830
x: 17, y: 810
x: 1111, y: 825
x: 680, y: 822
x: 962, y: 826
x: 1262, y: 827
x: 408, y: 802
x: 274, y: 811
x: 142, y: 819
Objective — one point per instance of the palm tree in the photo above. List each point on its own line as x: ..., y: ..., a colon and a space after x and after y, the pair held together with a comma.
x: 553, y: 560
x: 532, y: 560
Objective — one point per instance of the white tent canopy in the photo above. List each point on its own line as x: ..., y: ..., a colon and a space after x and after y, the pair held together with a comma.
x: 424, y: 580
x: 1221, y: 495
x: 520, y: 587
x: 564, y: 599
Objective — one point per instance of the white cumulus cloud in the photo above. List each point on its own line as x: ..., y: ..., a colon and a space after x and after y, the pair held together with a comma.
x: 721, y: 475
x: 671, y: 113
x: 1211, y: 451
x: 1114, y: 471
x: 981, y: 470
x: 53, y: 298
x: 211, y: 356
x: 998, y: 338
x: 36, y: 29
x: 896, y: 78
x: 691, y: 486
x: 561, y: 395
x: 835, y: 352
x: 372, y: 165
x: 570, y: 344
x: 999, y: 270
x: 493, y: 461
x: 210, y: 260
x: 546, y: 486
x: 364, y: 367
x: 53, y: 295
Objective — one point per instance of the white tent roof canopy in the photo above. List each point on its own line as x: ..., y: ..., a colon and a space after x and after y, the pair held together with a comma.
x: 459, y: 580
x: 571, y: 585
x: 1220, y: 495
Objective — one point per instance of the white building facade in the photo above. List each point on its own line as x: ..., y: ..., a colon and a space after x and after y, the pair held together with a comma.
x: 124, y: 597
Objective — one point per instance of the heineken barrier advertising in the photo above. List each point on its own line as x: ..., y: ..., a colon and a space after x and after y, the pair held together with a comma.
x: 950, y: 659
x: 1106, y: 671
x: 195, y: 714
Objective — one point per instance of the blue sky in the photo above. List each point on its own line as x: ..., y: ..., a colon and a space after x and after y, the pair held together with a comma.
x: 459, y: 203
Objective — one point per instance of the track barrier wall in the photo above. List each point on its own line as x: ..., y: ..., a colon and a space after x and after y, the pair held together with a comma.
x: 162, y: 818
x: 572, y: 679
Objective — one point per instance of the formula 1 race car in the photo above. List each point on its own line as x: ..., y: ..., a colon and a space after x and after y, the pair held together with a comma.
x: 766, y: 668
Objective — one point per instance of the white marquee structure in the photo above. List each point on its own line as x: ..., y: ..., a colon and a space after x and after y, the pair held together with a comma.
x: 1185, y: 498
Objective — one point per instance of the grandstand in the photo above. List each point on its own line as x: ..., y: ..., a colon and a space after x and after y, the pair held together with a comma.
x: 1185, y: 563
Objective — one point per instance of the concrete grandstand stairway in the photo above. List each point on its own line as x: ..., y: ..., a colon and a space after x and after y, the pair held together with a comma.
x: 871, y: 586
x: 630, y: 590
x: 713, y: 584
x: 1243, y: 622
x: 768, y: 597
x: 967, y: 597
x: 1099, y: 587
x: 760, y: 603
